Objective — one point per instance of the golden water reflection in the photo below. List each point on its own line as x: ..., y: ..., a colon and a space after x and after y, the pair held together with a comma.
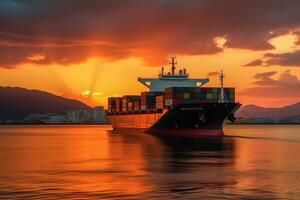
x: 94, y: 162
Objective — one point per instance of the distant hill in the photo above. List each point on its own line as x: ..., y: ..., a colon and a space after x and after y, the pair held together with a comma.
x: 253, y: 111
x: 16, y: 103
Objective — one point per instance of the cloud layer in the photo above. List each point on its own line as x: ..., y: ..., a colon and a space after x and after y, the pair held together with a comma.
x: 266, y: 86
x: 291, y: 59
x: 71, y: 31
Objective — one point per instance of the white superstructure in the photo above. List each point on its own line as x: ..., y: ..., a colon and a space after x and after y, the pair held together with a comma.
x: 171, y: 79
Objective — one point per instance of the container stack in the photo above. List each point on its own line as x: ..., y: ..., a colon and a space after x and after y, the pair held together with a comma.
x: 136, y: 105
x: 170, y: 98
x: 190, y: 95
x: 127, y: 102
x: 119, y: 104
x: 112, y: 104
x: 148, y: 100
x: 159, y: 102
x: 130, y: 106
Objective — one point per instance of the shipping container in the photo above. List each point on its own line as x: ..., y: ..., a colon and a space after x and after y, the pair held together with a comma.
x: 143, y: 107
x: 172, y: 96
x: 159, y: 105
x: 160, y: 98
x: 186, y: 95
x: 112, y: 104
x: 169, y: 102
x: 159, y: 102
x: 189, y: 95
x: 148, y: 100
x: 130, y: 106
x: 127, y: 99
x: 180, y: 89
x: 174, y: 102
x: 136, y: 106
x: 119, y: 104
x: 197, y: 93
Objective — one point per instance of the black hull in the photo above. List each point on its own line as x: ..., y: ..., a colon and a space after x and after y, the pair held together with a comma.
x: 204, y: 119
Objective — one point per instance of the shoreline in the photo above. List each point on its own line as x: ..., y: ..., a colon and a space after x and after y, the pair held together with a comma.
x: 52, y: 124
x: 106, y: 124
x: 264, y: 124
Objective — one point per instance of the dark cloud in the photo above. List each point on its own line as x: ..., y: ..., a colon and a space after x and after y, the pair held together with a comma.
x: 265, y: 78
x: 291, y: 59
x: 284, y: 59
x: 257, y: 62
x: 266, y: 86
x: 264, y: 75
x: 70, y: 31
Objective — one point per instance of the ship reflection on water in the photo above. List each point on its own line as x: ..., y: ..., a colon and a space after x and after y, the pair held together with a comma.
x: 88, y: 162
x: 176, y: 165
x: 186, y: 154
x: 179, y: 154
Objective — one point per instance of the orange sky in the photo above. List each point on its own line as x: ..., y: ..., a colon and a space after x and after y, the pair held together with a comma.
x: 90, y: 50
x: 106, y: 78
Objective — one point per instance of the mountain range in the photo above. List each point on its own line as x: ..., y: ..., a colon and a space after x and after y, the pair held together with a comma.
x: 252, y: 111
x: 16, y: 103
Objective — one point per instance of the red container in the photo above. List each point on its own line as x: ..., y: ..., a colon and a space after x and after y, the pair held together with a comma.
x: 159, y: 99
x: 113, y: 103
x: 193, y: 94
x: 136, y: 106
x: 130, y: 106
x: 129, y: 99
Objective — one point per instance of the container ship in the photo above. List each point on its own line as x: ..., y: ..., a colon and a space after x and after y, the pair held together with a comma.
x: 174, y: 105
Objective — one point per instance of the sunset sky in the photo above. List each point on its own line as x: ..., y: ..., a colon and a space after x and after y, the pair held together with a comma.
x: 92, y: 49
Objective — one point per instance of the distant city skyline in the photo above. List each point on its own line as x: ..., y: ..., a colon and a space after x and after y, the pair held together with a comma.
x: 90, y: 50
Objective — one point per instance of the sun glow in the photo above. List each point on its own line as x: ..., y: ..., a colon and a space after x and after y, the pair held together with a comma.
x: 86, y: 93
x: 96, y: 79
x: 36, y: 57
x: 285, y: 43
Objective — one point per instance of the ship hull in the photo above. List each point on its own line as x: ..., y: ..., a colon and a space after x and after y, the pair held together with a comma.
x: 205, y: 119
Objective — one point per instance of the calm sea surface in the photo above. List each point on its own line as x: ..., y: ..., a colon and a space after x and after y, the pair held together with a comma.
x: 92, y: 162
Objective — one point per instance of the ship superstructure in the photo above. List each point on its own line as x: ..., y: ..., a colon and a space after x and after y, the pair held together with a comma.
x: 174, y: 105
x: 171, y: 79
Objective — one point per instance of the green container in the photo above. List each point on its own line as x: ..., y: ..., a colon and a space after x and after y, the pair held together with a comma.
x: 215, y: 96
x: 209, y: 96
x: 186, y: 95
x: 199, y: 96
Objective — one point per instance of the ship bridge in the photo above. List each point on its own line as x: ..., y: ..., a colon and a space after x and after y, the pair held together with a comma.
x: 171, y: 79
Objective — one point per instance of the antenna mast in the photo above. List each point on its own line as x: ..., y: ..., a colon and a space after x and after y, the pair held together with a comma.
x: 222, y: 97
x: 173, y: 63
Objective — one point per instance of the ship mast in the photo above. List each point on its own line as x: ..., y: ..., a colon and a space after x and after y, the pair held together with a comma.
x: 171, y: 79
x: 222, y: 97
x: 173, y: 63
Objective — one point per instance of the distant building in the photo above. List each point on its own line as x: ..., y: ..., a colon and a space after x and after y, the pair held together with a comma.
x: 57, y: 119
x: 266, y: 120
x: 80, y: 116
x: 296, y: 121
x: 37, y: 118
x: 99, y: 115
x: 263, y: 121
